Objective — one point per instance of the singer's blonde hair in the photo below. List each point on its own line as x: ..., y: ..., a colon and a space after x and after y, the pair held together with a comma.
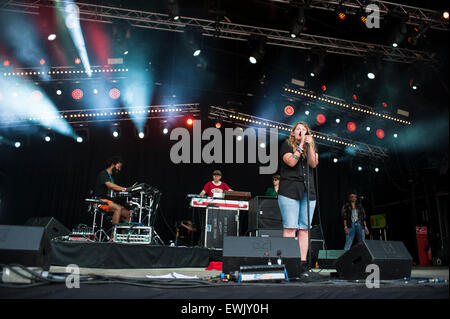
x: 291, y: 139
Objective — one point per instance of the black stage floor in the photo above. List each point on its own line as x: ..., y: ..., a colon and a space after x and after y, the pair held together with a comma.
x: 138, y: 272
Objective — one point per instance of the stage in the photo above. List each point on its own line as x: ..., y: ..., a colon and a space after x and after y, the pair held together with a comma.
x: 117, y: 271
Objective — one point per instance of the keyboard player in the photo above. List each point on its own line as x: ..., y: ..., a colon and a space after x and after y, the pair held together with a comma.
x: 105, y: 184
x: 216, y: 186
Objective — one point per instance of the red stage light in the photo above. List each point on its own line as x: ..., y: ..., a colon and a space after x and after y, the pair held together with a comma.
x: 6, y: 63
x: 321, y: 118
x: 189, y: 121
x: 77, y: 61
x: 380, y: 134
x: 323, y: 87
x: 114, y: 93
x: 218, y: 125
x: 36, y: 95
x: 351, y: 126
x: 77, y: 94
x: 342, y: 15
x: 42, y: 61
x: 355, y: 97
x: 384, y: 104
x: 289, y: 110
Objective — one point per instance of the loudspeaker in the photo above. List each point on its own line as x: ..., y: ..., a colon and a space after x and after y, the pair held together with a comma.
x: 53, y: 228
x: 253, y: 251
x: 327, y: 258
x: 392, y: 258
x: 263, y: 212
x: 24, y: 245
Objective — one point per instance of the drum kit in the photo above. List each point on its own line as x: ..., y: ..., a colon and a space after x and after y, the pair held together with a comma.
x: 143, y: 201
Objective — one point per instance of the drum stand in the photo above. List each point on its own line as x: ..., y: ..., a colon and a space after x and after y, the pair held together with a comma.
x: 95, y: 203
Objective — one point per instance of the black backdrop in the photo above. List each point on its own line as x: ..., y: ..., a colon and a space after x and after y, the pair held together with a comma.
x: 53, y: 179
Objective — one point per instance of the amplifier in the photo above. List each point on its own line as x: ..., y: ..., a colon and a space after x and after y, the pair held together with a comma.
x: 263, y: 213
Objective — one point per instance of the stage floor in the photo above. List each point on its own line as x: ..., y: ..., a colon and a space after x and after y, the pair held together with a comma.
x: 182, y: 284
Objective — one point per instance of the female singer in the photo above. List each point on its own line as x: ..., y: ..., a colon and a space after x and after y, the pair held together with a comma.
x: 296, y: 152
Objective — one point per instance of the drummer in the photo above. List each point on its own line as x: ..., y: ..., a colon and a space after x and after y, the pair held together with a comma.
x: 215, y: 188
x: 104, y: 183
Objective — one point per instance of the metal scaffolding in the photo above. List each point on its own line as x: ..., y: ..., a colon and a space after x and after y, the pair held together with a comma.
x: 416, y: 16
x: 226, y: 30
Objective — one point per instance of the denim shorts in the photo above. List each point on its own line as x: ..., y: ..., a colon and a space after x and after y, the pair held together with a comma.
x: 294, y: 212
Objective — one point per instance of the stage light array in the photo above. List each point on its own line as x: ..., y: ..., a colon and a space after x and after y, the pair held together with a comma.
x: 345, y: 105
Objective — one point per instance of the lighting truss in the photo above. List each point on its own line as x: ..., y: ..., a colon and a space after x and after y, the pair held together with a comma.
x: 227, y: 30
x: 340, y: 105
x: 64, y: 73
x: 328, y: 140
x: 110, y: 114
x: 416, y: 16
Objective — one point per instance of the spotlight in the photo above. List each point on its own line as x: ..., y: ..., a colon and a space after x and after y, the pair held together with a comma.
x: 262, y: 145
x: 257, y: 49
x: 114, y: 93
x: 51, y: 37
x: 6, y: 63
x: 340, y: 12
x: 165, y: 130
x: 368, y: 128
x: 197, y: 52
x: 338, y: 121
x: 298, y: 23
x: 289, y: 110
x: 335, y: 160
x: 77, y: 61
x: 141, y: 135
x: 47, y: 138
x: 321, y: 119
x: 312, y: 74
x: 377, y: 169
x: 17, y: 144
x: 189, y: 121
x: 77, y: 94
x: 307, y: 112
x: 360, y: 168
x: 42, y: 61
x: 354, y: 97
x: 380, y: 133
x: 58, y: 92
x: 351, y: 126
x: 218, y: 125
x: 395, y: 135
x: 95, y: 91
x: 79, y: 139
x: 445, y: 15
x: 173, y: 9
x: 115, y: 130
x: 384, y: 104
x: 323, y: 87
x: 371, y: 75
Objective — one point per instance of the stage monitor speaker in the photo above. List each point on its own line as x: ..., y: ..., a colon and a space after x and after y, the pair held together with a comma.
x: 327, y: 258
x: 392, y: 258
x: 24, y: 245
x: 254, y: 251
x: 53, y: 228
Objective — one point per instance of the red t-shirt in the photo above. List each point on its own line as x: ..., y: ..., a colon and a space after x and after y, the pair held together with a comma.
x: 210, y: 188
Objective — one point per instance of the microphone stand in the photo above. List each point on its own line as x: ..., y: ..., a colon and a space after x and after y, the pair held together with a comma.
x: 308, y: 211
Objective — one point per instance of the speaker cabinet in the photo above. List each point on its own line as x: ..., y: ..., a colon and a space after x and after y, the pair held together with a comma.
x: 252, y: 251
x: 392, y: 258
x: 24, y: 245
x: 53, y: 228
x: 263, y: 213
